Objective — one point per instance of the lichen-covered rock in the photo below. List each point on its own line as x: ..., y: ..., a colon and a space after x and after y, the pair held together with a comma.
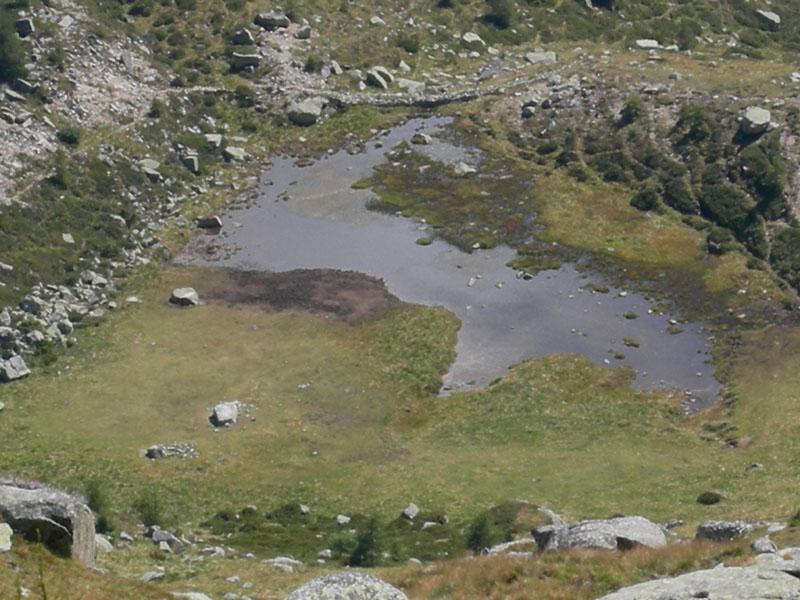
x: 723, y: 531
x: 347, y: 585
x: 61, y: 521
x: 755, y: 120
x: 613, y: 534
x: 722, y: 583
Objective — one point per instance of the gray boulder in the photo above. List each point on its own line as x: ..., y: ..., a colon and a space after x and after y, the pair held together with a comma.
x: 755, y: 120
x: 411, y: 86
x: 375, y: 79
x: 225, y: 413
x: 272, y: 20
x: 61, y: 521
x: 184, y: 297
x: 214, y: 139
x: 620, y: 533
x: 5, y: 537
x: 723, y: 531
x: 241, y: 61
x: 13, y: 368
x: 159, y: 535
x: 722, y: 583
x: 764, y: 545
x: 410, y: 512
x: 306, y: 112
x: 347, y: 585
x: 463, y: 168
x: 243, y: 37
x: 213, y: 222
x: 191, y: 162
x: 234, y: 153
x: 102, y: 545
x: 303, y: 32
x: 472, y: 41
x: 647, y: 44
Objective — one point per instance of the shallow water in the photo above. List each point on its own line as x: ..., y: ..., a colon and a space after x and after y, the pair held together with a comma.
x: 311, y: 218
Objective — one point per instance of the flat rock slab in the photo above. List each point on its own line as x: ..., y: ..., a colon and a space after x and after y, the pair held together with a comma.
x: 347, y: 585
x: 613, y: 534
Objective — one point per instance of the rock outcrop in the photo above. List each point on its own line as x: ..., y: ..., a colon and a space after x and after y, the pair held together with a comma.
x: 61, y: 521
x: 723, y: 531
x: 347, y: 585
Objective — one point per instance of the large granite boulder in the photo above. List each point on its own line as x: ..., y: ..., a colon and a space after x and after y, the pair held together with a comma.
x: 771, y: 19
x: 721, y: 583
x: 620, y: 533
x: 347, y: 585
x: 61, y: 521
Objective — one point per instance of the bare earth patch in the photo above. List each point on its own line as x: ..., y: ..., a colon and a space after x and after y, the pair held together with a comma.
x: 346, y: 294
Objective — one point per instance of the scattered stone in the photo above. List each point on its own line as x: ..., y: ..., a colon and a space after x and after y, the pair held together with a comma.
x: 41, y: 513
x: 272, y: 20
x: 376, y: 20
x: 350, y: 585
x: 14, y: 97
x: 673, y: 523
x: 771, y: 19
x: 214, y: 222
x: 379, y: 77
x: 158, y: 535
x: 463, y: 168
x: 225, y: 413
x: 152, y: 576
x: 764, y: 545
x: 303, y: 32
x: 191, y: 162
x: 620, y: 533
x: 342, y: 520
x: 25, y: 86
x: 284, y: 563
x: 648, y: 44
x: 191, y: 595
x: 24, y: 27
x: 306, y: 112
x: 184, y: 297
x: 541, y: 57
x: 214, y: 139
x: 102, y: 544
x: 472, y: 41
x: 67, y: 237
x: 723, y: 531
x: 243, y: 37
x: 234, y: 153
x: 240, y: 61
x: 5, y: 537
x: 14, y: 368
x: 125, y: 537
x: 410, y: 511
x: 174, y: 450
x: 422, y: 139
x: 755, y: 120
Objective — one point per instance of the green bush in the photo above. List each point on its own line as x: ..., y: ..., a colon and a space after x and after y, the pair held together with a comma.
x: 501, y: 13
x: 313, y: 64
x: 157, y: 109
x: 785, y: 255
x: 69, y: 134
x: 367, y: 548
x: 142, y: 8
x: 709, y: 498
x: 245, y: 96
x: 633, y: 110
x: 148, y: 508
x: 678, y: 194
x: 409, y: 43
x: 648, y: 198
x: 12, y: 57
x: 765, y: 173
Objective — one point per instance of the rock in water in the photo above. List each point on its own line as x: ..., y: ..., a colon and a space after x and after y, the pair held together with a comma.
x: 184, y: 297
x: 347, y: 585
x: 61, y: 521
x: 755, y: 120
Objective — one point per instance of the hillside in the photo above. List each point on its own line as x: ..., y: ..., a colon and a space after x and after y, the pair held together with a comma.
x: 642, y: 157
